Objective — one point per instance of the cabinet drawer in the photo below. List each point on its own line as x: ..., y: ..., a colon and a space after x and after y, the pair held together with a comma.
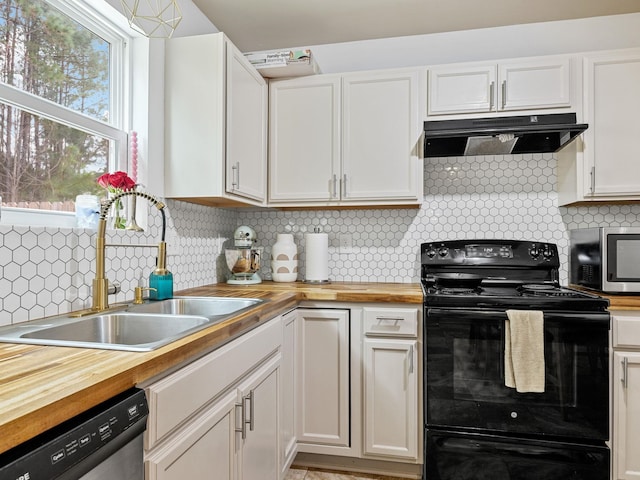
x: 391, y: 321
x: 626, y: 329
x: 178, y: 396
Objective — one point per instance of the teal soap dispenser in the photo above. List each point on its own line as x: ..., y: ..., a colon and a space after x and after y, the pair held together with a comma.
x: 161, y: 279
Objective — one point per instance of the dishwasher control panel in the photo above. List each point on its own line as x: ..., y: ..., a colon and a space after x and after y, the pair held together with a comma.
x: 80, y: 443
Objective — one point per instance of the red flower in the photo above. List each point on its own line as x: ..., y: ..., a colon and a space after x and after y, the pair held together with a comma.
x: 117, y: 180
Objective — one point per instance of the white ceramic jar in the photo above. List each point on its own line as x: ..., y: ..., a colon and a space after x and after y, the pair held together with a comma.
x: 284, y: 259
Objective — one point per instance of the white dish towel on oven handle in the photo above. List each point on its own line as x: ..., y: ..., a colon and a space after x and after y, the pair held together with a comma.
x: 524, y: 351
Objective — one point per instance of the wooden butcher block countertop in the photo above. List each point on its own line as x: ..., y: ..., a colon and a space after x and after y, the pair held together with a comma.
x: 41, y: 387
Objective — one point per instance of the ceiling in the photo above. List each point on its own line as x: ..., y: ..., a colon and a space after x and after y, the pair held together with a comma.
x: 256, y: 25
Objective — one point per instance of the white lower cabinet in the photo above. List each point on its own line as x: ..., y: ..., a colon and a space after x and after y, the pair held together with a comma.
x: 359, y: 386
x: 288, y: 407
x: 391, y: 366
x: 206, y: 446
x: 327, y: 380
x: 218, y: 417
x: 390, y: 398
x: 258, y: 426
x: 323, y: 377
x: 626, y: 395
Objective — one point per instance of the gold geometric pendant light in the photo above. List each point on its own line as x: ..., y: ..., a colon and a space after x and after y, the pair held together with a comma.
x: 153, y: 18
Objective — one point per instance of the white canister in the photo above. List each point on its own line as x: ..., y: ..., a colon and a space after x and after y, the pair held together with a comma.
x: 284, y: 248
x: 284, y: 255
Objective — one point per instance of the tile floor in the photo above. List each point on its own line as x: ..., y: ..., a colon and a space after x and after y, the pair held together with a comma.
x: 302, y: 473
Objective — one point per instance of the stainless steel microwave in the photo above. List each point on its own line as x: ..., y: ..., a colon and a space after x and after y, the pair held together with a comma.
x: 606, y: 259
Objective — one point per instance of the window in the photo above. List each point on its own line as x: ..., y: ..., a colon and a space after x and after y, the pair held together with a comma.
x: 62, y: 109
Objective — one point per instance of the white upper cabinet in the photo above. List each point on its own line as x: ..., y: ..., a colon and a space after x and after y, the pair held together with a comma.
x: 611, y: 148
x: 381, y: 128
x: 352, y: 139
x: 606, y: 164
x: 215, y: 123
x: 304, y: 161
x: 531, y: 84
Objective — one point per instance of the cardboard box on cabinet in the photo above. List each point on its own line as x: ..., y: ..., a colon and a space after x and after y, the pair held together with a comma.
x: 283, y: 64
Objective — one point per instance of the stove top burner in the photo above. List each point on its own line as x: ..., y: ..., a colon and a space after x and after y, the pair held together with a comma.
x: 498, y: 274
x: 544, y: 290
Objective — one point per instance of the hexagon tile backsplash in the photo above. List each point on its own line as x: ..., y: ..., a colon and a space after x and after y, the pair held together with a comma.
x: 502, y: 196
x: 46, y: 271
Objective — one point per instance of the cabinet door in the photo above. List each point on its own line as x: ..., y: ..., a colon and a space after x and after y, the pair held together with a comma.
x: 323, y: 377
x: 288, y: 403
x: 626, y: 416
x: 259, y: 436
x: 304, y: 150
x: 391, y: 398
x: 611, y: 148
x: 381, y: 136
x: 535, y: 84
x: 246, y: 128
x: 202, y: 448
x: 463, y: 89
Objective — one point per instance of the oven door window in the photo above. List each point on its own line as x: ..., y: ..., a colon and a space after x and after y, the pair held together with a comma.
x: 465, y: 375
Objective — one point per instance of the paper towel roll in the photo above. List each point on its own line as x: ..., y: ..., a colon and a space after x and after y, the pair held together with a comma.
x: 316, y: 257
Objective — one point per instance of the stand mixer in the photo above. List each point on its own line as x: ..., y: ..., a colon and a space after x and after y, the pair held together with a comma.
x: 244, y: 260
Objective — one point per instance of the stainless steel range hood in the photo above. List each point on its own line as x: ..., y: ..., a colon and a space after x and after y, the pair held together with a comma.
x: 500, y: 135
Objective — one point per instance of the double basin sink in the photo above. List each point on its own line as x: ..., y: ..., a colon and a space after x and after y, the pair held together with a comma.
x: 137, y: 328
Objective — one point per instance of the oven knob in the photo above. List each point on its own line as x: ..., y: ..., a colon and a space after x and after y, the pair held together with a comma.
x: 534, y: 252
x: 547, y: 253
x: 431, y: 253
x: 443, y: 252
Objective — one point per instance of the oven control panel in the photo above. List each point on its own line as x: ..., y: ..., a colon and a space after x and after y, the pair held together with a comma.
x: 490, y: 253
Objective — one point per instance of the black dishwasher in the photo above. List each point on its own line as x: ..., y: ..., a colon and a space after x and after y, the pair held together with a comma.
x: 104, y: 442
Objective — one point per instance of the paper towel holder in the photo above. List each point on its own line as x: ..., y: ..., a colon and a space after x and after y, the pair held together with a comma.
x: 317, y: 282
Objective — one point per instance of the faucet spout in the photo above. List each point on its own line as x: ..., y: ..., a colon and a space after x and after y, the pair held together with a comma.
x: 100, y: 286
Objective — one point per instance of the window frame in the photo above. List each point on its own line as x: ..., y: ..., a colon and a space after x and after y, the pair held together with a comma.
x: 106, y: 22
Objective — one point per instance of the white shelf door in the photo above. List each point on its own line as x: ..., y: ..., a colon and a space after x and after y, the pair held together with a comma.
x: 391, y: 398
x: 381, y: 136
x: 246, y: 128
x: 207, y: 446
x: 626, y: 414
x: 304, y: 148
x: 259, y: 449
x: 323, y: 377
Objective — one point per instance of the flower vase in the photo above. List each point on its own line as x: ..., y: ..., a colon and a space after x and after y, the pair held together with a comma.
x: 117, y: 217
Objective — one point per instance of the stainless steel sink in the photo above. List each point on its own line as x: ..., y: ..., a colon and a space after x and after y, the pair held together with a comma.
x: 130, y: 329
x: 140, y: 328
x: 210, y: 307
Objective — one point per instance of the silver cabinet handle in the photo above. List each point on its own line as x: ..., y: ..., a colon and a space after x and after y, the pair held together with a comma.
x: 625, y: 369
x: 389, y: 319
x: 243, y: 415
x: 243, y: 423
x: 492, y: 86
x: 235, y: 177
x: 593, y: 180
x: 411, y: 359
x: 504, y: 94
x: 251, y: 411
x: 344, y: 185
x: 334, y: 180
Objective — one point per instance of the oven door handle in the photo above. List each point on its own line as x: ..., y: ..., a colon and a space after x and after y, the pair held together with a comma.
x: 458, y: 315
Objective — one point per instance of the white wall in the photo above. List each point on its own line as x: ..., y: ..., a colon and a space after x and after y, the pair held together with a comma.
x: 569, y: 36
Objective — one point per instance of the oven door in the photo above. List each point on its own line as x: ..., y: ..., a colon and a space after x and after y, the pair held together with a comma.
x: 464, y: 375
